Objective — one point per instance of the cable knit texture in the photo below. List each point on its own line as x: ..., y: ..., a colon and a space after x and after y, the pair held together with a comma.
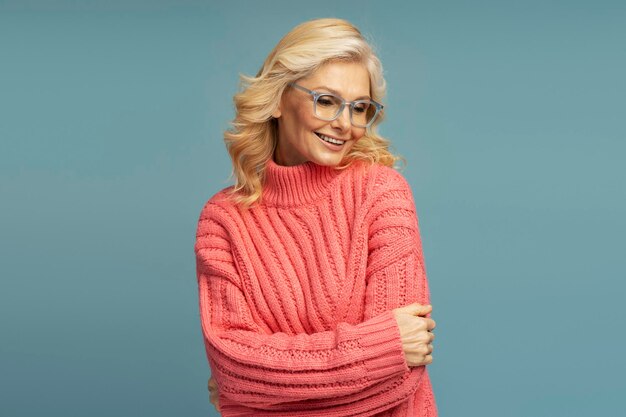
x: 296, y: 294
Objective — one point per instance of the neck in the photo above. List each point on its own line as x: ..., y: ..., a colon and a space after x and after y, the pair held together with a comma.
x: 297, y: 184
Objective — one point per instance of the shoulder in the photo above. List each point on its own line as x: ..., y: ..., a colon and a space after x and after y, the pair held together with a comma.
x: 383, y: 182
x: 215, y: 238
x: 375, y: 178
x: 219, y: 205
x: 389, y: 176
x: 389, y: 197
x: 215, y: 216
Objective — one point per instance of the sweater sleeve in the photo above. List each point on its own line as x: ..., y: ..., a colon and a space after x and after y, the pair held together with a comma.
x: 280, y: 372
x: 396, y: 271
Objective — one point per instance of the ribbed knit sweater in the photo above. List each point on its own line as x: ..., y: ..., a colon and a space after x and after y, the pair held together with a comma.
x: 296, y: 294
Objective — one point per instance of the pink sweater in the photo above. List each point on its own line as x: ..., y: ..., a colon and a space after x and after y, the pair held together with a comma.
x: 296, y: 295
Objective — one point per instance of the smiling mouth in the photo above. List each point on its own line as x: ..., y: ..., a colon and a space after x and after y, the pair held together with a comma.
x: 330, y: 140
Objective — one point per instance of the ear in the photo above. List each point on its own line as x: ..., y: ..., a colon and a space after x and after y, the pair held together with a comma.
x: 277, y: 112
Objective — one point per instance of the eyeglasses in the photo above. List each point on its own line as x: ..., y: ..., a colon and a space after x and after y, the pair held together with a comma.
x: 327, y: 106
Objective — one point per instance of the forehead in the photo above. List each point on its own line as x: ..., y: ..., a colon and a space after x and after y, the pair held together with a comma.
x: 349, y: 79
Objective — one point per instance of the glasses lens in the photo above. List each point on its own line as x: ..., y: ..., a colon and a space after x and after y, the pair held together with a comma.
x: 363, y: 112
x: 327, y: 106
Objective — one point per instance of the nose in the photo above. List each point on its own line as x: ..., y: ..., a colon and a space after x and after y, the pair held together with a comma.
x: 343, y: 120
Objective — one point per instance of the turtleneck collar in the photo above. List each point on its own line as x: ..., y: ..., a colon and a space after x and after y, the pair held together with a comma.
x: 297, y: 184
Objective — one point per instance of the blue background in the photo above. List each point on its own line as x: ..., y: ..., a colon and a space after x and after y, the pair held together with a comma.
x: 510, y: 114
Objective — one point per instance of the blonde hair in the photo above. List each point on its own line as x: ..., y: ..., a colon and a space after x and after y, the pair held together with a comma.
x: 252, y: 138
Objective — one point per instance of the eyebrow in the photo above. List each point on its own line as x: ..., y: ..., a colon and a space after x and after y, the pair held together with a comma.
x: 337, y: 92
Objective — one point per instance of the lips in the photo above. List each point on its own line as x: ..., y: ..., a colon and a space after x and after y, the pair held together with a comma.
x: 325, y: 137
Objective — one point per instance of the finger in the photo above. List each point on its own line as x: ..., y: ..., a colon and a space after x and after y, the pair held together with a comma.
x: 416, y: 309
x: 421, y: 310
x: 430, y: 324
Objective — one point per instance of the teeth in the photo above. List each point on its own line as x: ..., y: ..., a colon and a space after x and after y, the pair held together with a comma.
x: 331, y: 140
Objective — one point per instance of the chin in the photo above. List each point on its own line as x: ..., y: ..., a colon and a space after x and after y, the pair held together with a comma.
x: 332, y: 160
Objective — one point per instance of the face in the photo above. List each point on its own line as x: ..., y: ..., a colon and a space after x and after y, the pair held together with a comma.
x: 299, y: 129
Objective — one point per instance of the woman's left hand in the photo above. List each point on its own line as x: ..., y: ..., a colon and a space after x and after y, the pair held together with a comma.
x: 214, y: 393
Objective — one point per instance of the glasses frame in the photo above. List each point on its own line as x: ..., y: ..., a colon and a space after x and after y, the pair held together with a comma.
x: 317, y: 94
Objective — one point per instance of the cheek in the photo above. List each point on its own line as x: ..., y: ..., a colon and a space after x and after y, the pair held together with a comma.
x: 357, y: 134
x: 308, y: 121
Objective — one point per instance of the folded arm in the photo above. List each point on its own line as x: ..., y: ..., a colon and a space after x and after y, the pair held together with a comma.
x: 355, y: 368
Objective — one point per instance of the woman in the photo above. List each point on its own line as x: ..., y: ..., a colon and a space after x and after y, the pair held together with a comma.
x: 312, y: 285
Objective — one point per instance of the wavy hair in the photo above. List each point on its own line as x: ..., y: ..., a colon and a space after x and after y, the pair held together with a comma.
x: 252, y: 138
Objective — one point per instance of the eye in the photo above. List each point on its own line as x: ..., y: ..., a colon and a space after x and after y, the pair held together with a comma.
x: 327, y: 100
x: 361, y: 106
